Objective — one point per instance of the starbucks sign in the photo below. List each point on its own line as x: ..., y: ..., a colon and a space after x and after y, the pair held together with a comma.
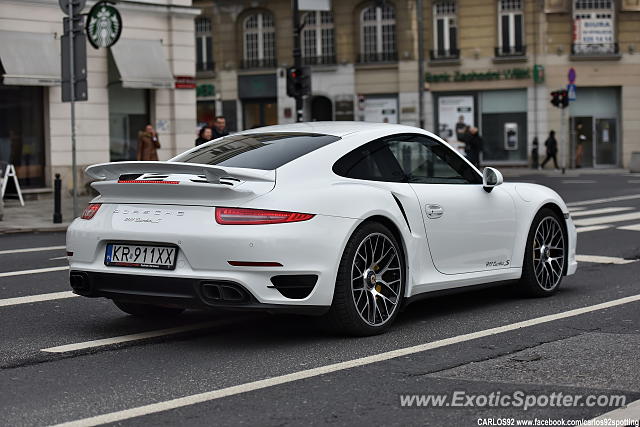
x: 104, y: 25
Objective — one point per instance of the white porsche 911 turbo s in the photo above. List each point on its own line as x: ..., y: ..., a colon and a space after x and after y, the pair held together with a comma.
x: 349, y: 220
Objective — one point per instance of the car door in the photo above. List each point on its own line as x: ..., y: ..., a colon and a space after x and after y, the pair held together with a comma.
x: 467, y: 228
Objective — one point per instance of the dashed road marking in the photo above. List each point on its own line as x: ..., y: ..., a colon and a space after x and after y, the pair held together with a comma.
x: 57, y: 258
x: 43, y: 248
x: 605, y: 200
x: 577, y: 209
x: 181, y: 402
x: 591, y: 228
x: 632, y: 227
x: 599, y: 211
x: 607, y: 219
x: 35, y: 271
x: 603, y: 259
x: 36, y: 298
x: 579, y: 181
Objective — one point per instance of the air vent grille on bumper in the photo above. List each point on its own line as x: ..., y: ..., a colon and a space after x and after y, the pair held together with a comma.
x: 295, y: 286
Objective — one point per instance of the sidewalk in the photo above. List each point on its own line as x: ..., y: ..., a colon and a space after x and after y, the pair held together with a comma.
x: 572, y: 173
x: 37, y: 215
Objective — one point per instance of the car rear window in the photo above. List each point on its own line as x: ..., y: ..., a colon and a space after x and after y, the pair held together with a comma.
x: 257, y: 151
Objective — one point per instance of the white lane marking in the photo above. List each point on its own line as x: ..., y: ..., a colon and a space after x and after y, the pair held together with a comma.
x: 577, y: 209
x: 43, y: 248
x: 579, y: 181
x: 599, y: 211
x: 634, y: 181
x: 605, y: 200
x: 314, y: 372
x: 36, y: 271
x: 603, y: 259
x: 132, y: 337
x: 632, y: 227
x: 607, y: 219
x: 591, y: 228
x: 628, y: 413
x: 57, y: 258
x: 36, y: 298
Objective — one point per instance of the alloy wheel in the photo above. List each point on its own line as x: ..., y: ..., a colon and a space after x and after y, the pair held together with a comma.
x: 548, y: 253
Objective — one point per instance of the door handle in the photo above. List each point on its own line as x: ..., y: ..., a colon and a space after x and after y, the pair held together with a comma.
x: 434, y: 211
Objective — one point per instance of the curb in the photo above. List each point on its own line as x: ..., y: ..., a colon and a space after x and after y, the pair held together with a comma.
x: 18, y: 230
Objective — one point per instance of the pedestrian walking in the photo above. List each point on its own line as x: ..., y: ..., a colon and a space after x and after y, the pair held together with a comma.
x: 148, y: 144
x: 205, y: 135
x: 220, y: 127
x: 552, y: 150
x: 535, y: 160
x: 474, y: 145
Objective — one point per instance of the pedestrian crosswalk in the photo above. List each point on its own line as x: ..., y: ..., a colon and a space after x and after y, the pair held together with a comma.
x: 600, y: 218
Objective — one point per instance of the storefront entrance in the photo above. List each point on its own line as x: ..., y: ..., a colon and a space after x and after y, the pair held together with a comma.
x: 258, y: 113
x: 594, y: 141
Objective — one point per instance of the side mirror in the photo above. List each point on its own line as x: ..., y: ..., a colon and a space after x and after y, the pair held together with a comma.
x: 490, y: 178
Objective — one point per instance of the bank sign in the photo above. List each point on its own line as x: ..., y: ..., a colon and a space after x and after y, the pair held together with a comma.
x: 508, y: 74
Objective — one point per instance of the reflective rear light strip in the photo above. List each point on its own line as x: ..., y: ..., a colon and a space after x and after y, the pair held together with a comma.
x: 147, y: 182
x: 254, y: 264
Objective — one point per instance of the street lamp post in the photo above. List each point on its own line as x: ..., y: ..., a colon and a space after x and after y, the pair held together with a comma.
x: 297, y: 57
x: 420, y: 26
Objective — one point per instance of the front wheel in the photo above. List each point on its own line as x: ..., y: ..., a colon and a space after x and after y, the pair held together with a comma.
x: 544, y: 256
x: 147, y: 310
x: 370, y: 282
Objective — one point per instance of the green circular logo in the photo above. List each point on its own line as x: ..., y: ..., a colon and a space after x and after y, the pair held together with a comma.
x: 104, y: 25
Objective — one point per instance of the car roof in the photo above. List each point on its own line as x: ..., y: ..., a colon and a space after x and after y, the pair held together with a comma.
x: 339, y: 129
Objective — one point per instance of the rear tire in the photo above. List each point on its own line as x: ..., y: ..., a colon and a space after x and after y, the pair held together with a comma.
x: 370, y: 282
x: 147, y: 310
x: 545, y: 255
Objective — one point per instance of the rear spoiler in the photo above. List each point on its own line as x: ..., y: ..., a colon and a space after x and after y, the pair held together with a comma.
x: 113, y: 171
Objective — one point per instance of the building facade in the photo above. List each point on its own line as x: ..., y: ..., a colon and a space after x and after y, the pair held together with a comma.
x: 134, y: 83
x: 489, y: 63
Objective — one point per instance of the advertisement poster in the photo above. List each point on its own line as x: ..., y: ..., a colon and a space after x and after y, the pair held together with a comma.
x: 379, y: 110
x: 455, y: 113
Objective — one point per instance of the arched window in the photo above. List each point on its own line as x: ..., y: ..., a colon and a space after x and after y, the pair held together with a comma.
x: 318, y: 41
x: 445, y: 31
x: 259, y: 36
x: 204, y: 55
x: 594, y: 24
x: 510, y: 28
x: 378, y: 34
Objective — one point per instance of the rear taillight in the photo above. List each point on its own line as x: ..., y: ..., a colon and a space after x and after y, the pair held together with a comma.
x: 90, y: 210
x: 240, y: 216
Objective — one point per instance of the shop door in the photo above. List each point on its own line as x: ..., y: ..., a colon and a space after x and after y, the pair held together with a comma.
x: 260, y: 113
x: 582, y: 141
x: 606, y: 147
x: 321, y: 109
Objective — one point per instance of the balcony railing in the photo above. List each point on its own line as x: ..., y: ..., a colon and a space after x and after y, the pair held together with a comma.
x: 319, y: 60
x: 259, y: 63
x: 205, y: 66
x: 377, y: 57
x: 594, y: 49
x: 510, y: 51
x: 444, y: 54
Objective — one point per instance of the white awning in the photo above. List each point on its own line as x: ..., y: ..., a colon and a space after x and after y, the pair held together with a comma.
x: 31, y: 59
x: 142, y: 64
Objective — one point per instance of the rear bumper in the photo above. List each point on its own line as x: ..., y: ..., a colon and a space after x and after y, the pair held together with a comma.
x: 177, y: 292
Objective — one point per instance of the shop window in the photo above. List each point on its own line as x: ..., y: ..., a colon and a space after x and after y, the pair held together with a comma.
x: 318, y: 39
x: 22, y: 133
x: 204, y: 55
x: 445, y: 31
x: 378, y: 34
x: 510, y: 29
x: 259, y: 36
x: 205, y: 113
x: 594, y: 28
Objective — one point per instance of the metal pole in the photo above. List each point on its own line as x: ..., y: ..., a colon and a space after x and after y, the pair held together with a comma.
x: 564, y: 140
x: 420, y: 19
x: 297, y: 57
x: 72, y: 83
x: 57, y: 208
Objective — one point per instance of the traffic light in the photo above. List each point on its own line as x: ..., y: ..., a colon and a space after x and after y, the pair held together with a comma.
x: 555, y: 98
x: 564, y: 98
x: 298, y: 82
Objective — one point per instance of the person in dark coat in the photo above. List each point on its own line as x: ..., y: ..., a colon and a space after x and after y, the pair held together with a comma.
x: 552, y: 150
x: 220, y: 127
x: 535, y: 161
x: 148, y: 144
x: 205, y: 135
x: 474, y: 145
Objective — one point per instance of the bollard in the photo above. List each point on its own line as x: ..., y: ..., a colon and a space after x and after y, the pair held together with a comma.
x: 57, y: 214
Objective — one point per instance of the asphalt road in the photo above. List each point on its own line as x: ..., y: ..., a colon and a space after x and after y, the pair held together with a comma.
x: 260, y: 369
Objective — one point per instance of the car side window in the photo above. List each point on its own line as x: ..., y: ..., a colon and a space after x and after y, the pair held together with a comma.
x: 427, y: 161
x: 406, y: 158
